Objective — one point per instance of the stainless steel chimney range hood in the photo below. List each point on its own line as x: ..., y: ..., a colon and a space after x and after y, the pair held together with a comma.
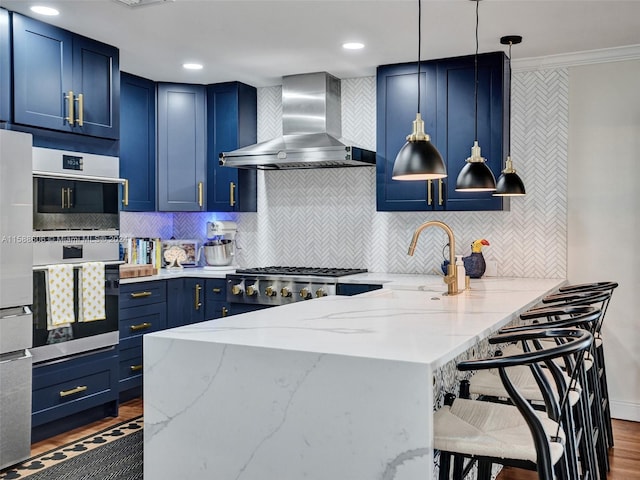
x: 312, y: 127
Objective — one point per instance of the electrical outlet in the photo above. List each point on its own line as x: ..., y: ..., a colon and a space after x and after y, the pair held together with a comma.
x: 492, y: 268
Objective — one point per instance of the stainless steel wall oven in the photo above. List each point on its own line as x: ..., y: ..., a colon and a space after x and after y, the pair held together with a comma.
x: 76, y: 203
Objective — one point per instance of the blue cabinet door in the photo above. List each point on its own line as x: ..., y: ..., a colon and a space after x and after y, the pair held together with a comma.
x: 397, y: 105
x: 42, y: 73
x: 63, y: 81
x: 181, y: 147
x: 96, y: 77
x: 231, y: 124
x: 138, y: 142
x: 5, y: 67
x: 456, y: 122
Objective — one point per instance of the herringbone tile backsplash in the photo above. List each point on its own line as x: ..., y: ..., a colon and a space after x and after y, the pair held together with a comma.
x: 328, y: 217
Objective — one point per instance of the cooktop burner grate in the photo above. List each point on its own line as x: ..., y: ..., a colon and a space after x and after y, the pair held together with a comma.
x: 314, y: 271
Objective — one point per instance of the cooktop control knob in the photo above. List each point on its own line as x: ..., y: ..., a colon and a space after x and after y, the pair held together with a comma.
x: 270, y: 292
x: 252, y: 290
x: 285, y: 292
x: 305, y: 293
x: 236, y: 290
x: 321, y: 293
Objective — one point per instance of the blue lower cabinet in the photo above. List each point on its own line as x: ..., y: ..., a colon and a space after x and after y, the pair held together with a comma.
x: 143, y: 309
x: 215, y: 295
x: 72, y: 386
x: 349, y: 289
x: 185, y: 301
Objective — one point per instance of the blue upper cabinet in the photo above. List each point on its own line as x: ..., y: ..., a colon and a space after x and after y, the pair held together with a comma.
x: 231, y: 124
x: 456, y: 122
x: 397, y: 105
x: 181, y: 147
x: 64, y: 81
x: 5, y: 67
x: 138, y: 142
x: 447, y: 107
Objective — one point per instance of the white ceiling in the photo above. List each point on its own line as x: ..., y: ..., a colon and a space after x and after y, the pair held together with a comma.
x: 257, y: 42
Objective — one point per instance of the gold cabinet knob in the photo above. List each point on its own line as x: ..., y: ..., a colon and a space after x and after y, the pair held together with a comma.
x: 236, y: 290
x: 270, y: 292
x: 321, y: 293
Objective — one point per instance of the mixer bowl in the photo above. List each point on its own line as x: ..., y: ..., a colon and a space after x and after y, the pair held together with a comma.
x: 218, y: 253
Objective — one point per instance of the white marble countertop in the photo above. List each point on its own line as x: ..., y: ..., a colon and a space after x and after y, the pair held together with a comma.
x: 408, y: 320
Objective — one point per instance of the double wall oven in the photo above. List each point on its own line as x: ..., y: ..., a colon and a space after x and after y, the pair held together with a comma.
x: 76, y: 203
x: 256, y: 288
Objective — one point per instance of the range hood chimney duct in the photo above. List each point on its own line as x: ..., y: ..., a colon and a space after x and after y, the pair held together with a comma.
x: 311, y: 127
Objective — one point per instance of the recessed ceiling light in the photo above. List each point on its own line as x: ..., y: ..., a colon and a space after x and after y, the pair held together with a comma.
x: 192, y: 66
x: 353, y: 46
x: 39, y: 9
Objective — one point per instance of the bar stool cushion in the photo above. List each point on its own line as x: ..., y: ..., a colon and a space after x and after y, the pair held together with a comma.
x: 487, y: 382
x: 472, y: 427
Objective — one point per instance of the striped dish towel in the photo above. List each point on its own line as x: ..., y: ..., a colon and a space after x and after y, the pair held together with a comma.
x: 59, y: 282
x: 91, y: 290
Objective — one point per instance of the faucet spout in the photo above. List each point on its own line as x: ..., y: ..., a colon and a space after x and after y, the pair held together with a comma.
x: 451, y: 278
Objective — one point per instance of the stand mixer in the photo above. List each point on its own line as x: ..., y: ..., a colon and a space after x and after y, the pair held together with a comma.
x: 220, y: 248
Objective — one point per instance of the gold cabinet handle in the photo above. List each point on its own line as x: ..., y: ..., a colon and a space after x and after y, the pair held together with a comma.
x: 225, y: 311
x: 135, y: 368
x: 216, y: 290
x: 80, y: 119
x: 232, y: 194
x: 429, y: 194
x: 70, y: 116
x: 125, y: 193
x: 66, y: 393
x: 140, y: 294
x: 198, y: 303
x: 140, y: 326
x: 200, y: 194
x: 440, y: 198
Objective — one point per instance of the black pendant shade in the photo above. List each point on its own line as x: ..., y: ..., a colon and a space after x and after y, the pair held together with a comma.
x: 476, y: 177
x: 418, y: 159
x: 509, y: 184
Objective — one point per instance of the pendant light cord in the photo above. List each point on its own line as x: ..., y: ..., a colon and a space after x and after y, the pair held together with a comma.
x: 419, y: 44
x: 476, y: 71
x: 510, y: 81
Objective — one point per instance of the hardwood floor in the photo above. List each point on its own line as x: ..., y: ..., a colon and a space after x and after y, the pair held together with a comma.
x: 624, y: 457
x: 127, y: 411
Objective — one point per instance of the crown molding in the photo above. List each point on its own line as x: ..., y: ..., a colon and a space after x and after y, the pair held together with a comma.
x: 605, y: 55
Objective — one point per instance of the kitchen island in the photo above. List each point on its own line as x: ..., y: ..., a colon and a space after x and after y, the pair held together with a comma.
x: 336, y: 388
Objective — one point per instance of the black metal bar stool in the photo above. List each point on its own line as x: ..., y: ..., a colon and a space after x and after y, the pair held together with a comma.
x: 598, y: 341
x: 600, y: 296
x: 588, y: 442
x: 515, y: 434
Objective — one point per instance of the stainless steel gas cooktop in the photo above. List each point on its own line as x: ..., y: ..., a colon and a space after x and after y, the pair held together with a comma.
x: 279, y: 285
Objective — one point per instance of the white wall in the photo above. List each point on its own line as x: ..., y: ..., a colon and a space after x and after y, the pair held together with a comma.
x: 603, y: 211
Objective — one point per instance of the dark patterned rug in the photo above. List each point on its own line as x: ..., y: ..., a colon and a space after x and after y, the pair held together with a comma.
x: 112, y: 454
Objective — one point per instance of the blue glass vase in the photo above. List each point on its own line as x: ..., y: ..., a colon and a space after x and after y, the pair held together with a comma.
x: 474, y: 265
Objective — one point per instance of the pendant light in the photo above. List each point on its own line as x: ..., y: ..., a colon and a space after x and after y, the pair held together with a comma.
x: 475, y: 176
x: 418, y: 159
x: 509, y: 184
